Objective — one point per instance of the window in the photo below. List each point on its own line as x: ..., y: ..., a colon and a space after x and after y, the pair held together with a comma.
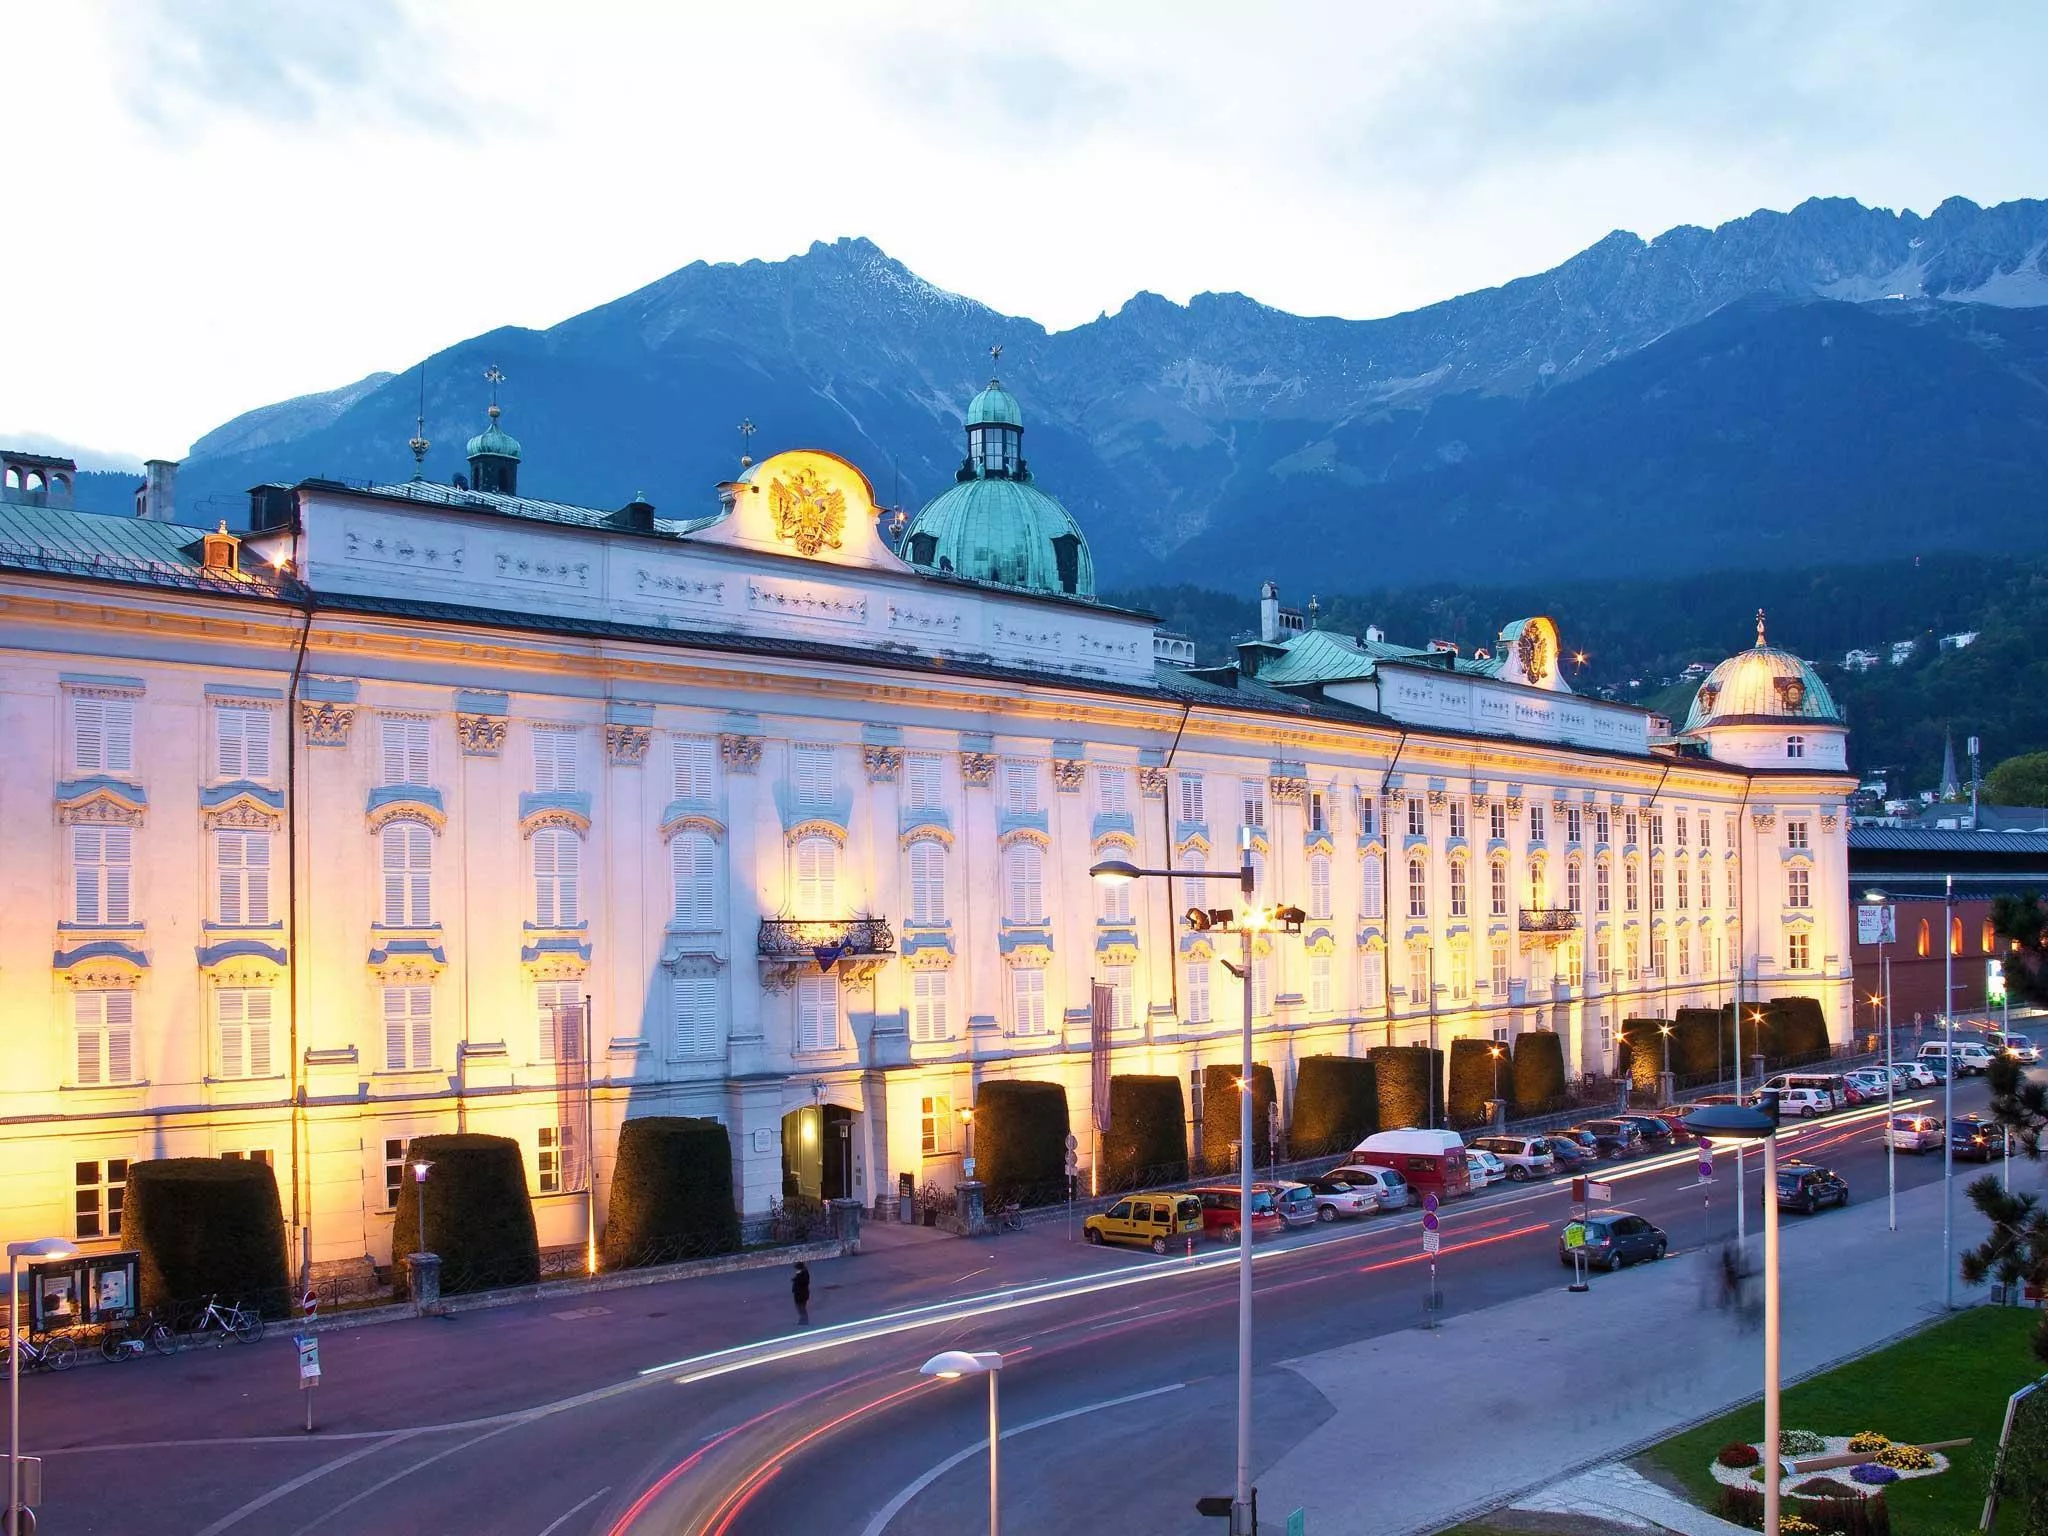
x: 404, y: 744
x: 1601, y: 972
x: 1253, y: 796
x: 1603, y: 886
x: 1538, y: 897
x: 1706, y: 883
x: 1372, y: 887
x: 101, y: 1190
x: 1657, y: 831
x: 1318, y: 811
x: 1955, y: 936
x: 1678, y: 876
x: 241, y: 742
x: 406, y: 850
x: 1368, y: 817
x: 1497, y: 823
x: 1628, y: 828
x: 103, y: 735
x: 554, y: 761
x: 1372, y: 979
x: 927, y: 1006
x: 241, y: 870
x: 1498, y: 969
x: 1795, y: 834
x: 1656, y: 887
x: 1572, y: 877
x: 1118, y: 979
x: 1318, y: 885
x: 1024, y: 882
x: 1684, y: 954
x: 935, y: 1125
x: 1195, y: 991
x: 817, y: 877
x: 1191, y: 798
x: 557, y: 856
x: 1319, y: 983
x: 394, y: 1170
x: 1113, y: 900
x: 927, y: 882
x: 1418, y: 817
x: 1418, y: 889
x: 1659, y: 956
x: 1706, y: 831
x: 1020, y: 788
x: 1628, y: 953
x: 1631, y: 894
x: 1798, y: 888
x: 1574, y: 825
x: 1536, y: 823
x: 1795, y: 746
x: 1925, y: 939
x: 101, y: 874
x: 811, y: 774
x: 558, y: 1020
x: 1027, y: 1000
x: 1988, y: 936
x: 1799, y: 951
x: 817, y: 1013
x: 1458, y: 898
x: 693, y: 1001
x: 103, y: 1028
x: 1461, y: 973
x: 1421, y: 973
x: 1680, y: 828
x: 555, y: 1152
x: 693, y: 864
x: 922, y: 783
x: 1112, y: 790
x: 408, y: 1028
x: 1457, y: 809
x: 696, y: 768
x: 1574, y: 966
x: 1603, y: 824
x: 242, y: 1016
x: 1497, y: 887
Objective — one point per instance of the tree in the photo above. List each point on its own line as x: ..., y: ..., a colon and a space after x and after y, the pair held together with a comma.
x: 2018, y: 1104
x: 2021, y: 780
x: 2016, y: 1251
x: 2022, y: 921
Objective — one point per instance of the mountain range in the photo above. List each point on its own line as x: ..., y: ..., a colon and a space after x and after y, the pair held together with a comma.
x: 1836, y: 383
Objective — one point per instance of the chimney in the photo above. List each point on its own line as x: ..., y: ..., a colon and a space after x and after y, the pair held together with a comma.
x: 1269, y: 612
x: 1374, y: 635
x: 157, y: 500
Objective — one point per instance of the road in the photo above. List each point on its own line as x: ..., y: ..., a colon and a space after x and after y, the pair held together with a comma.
x: 691, y: 1408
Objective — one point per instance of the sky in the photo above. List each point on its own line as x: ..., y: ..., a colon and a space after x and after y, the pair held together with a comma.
x: 216, y: 204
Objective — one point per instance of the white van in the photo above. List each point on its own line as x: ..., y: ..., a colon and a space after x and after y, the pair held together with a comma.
x: 1970, y: 1056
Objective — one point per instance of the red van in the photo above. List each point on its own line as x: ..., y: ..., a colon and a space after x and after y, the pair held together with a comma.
x: 1432, y: 1161
x: 1219, y: 1212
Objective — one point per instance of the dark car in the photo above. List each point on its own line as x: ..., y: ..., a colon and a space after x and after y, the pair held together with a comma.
x: 1806, y: 1189
x: 1972, y: 1138
x: 1611, y: 1138
x: 1572, y: 1149
x: 1616, y: 1239
x: 1655, y: 1130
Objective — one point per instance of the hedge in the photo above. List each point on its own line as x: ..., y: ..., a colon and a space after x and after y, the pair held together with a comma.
x: 1020, y: 1142
x: 1794, y: 1027
x: 478, y: 1217
x: 1640, y: 1055
x: 207, y: 1226
x: 1703, y: 1041
x: 671, y: 1193
x: 1411, y: 1084
x: 1539, y: 1070
x: 1336, y: 1104
x: 1147, y: 1139
x: 1475, y: 1071
x: 1219, y: 1116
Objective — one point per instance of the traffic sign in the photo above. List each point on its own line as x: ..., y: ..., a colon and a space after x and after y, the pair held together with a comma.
x: 1575, y: 1235
x: 1073, y: 1142
x: 1215, y: 1504
x: 309, y: 1359
x: 1706, y: 1170
x: 1598, y: 1193
x: 1432, y: 1241
x: 1429, y: 1221
x: 1429, y: 1204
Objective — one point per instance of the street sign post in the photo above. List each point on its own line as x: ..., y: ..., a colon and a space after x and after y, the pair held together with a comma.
x: 1575, y: 1245
x: 1432, y: 1242
x: 1706, y: 1151
x: 1073, y: 1168
x: 1598, y: 1193
x: 309, y: 1371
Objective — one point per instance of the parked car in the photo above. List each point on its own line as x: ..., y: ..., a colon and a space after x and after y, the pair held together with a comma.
x: 1611, y: 1138
x: 1804, y: 1188
x: 1484, y: 1167
x: 1394, y: 1192
x: 1975, y: 1139
x: 1573, y: 1150
x: 1916, y: 1074
x: 1337, y: 1197
x: 1869, y: 1082
x: 1849, y: 1094
x: 1616, y: 1239
x: 1524, y: 1157
x: 1153, y: 1220
x: 1914, y: 1133
x: 1970, y: 1056
x: 1295, y: 1202
x: 1654, y: 1130
x: 1796, y: 1103
x: 2018, y: 1047
x: 1433, y: 1161
x: 1220, y: 1212
x: 1674, y: 1122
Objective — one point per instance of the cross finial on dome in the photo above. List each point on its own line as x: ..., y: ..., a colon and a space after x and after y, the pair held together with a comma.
x: 995, y: 356
x: 1760, y: 628
x: 494, y: 376
x: 747, y: 429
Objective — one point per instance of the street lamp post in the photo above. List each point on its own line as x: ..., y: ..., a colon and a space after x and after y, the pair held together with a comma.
x: 1119, y: 871
x: 419, y: 1177
x: 967, y: 1157
x: 36, y: 1248
x: 1499, y: 1103
x: 1891, y: 1151
x: 951, y: 1366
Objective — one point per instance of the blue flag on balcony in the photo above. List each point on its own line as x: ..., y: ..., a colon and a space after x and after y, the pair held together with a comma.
x: 829, y: 955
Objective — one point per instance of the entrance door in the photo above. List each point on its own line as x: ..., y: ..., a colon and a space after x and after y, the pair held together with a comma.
x: 817, y: 1152
x: 837, y: 1170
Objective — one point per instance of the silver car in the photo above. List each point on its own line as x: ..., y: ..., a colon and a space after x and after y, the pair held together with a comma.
x: 1524, y: 1157
x: 1394, y: 1192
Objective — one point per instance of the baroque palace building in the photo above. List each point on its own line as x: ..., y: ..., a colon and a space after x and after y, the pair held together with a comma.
x: 320, y: 836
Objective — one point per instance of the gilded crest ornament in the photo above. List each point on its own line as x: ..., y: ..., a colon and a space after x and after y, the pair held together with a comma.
x: 1536, y: 649
x: 808, y: 513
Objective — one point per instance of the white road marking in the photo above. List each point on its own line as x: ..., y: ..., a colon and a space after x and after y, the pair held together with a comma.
x: 285, y: 1490
x: 894, y: 1507
x: 562, y: 1519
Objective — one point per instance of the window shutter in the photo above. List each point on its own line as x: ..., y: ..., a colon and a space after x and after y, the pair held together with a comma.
x: 817, y: 878
x: 1191, y: 798
x: 396, y: 1029
x: 1372, y: 901
x: 405, y: 751
x: 554, y: 761
x: 422, y: 1026
x: 922, y: 775
x: 817, y: 1013
x: 1111, y: 789
x: 696, y: 1015
x: 257, y: 1011
x: 120, y: 849
x: 690, y: 859
x: 1025, y: 883
x: 1319, y: 886
x: 255, y: 743
x: 85, y: 874
x: 228, y: 1009
x: 227, y: 737
x: 419, y: 858
x: 228, y: 872
x: 927, y: 882
x: 89, y: 734
x: 120, y: 715
x: 694, y: 768
x: 89, y: 1024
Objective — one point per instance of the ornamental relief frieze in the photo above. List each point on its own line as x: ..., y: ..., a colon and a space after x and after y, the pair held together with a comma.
x: 554, y: 818
x: 100, y: 809
x: 807, y: 602
x: 326, y: 724
x: 709, y: 591
x: 1286, y: 791
x: 977, y: 769
x: 241, y: 815
x: 626, y: 745
x: 1069, y: 775
x: 426, y: 814
x: 1152, y: 783
x: 740, y: 754
x: 882, y: 764
x: 923, y: 620
x: 480, y: 735
x: 102, y: 976
x: 554, y: 573
x: 371, y: 548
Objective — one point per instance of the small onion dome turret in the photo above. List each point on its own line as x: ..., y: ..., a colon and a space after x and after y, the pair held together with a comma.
x: 494, y: 458
x: 1762, y: 685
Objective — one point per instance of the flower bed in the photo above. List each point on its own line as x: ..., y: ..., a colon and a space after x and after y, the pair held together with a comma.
x: 1888, y: 1463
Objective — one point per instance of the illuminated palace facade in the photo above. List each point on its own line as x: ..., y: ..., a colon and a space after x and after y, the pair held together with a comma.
x: 319, y: 836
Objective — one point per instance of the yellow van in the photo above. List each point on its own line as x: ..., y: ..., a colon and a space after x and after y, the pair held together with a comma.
x: 1155, y: 1220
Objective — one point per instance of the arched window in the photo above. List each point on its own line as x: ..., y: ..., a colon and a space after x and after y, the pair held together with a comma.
x: 817, y: 878
x: 1319, y: 885
x: 1955, y: 936
x: 406, y: 849
x: 1572, y: 895
x: 1113, y: 900
x: 1988, y: 936
x: 1458, y: 897
x: 927, y: 882
x: 692, y: 858
x: 557, y: 861
x: 1536, y: 892
x: 1926, y: 938
x: 1418, y: 889
x: 1024, y: 883
x: 1372, y: 894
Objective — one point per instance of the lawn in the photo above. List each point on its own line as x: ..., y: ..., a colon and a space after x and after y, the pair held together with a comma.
x: 1946, y: 1383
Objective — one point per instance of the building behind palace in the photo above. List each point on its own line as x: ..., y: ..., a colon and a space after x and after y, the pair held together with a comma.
x: 319, y: 837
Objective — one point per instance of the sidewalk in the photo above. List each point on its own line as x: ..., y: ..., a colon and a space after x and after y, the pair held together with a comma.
x: 1526, y: 1396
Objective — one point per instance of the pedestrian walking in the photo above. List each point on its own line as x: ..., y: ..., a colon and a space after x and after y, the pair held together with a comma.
x: 800, y: 1292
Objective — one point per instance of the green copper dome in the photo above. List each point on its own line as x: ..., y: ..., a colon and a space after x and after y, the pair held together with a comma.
x: 494, y: 440
x: 995, y: 525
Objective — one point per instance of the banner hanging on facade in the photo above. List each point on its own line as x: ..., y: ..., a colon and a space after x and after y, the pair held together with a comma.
x: 1101, y: 1006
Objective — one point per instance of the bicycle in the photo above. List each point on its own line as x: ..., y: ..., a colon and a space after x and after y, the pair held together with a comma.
x: 242, y: 1324
x: 1010, y: 1218
x: 137, y: 1335
x: 54, y: 1352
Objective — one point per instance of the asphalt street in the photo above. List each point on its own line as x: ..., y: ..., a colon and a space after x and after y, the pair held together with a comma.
x: 696, y: 1406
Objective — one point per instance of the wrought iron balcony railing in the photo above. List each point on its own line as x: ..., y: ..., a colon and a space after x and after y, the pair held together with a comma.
x: 784, y: 938
x: 1549, y: 920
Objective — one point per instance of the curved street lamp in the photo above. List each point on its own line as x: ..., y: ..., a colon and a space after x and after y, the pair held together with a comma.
x: 951, y: 1366
x: 35, y: 1248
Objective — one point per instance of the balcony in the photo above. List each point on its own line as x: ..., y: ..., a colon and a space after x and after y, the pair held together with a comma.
x: 1547, y: 925
x: 855, y: 947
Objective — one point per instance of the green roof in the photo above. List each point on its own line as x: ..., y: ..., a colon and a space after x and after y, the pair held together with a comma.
x: 994, y: 407
x: 494, y: 440
x: 1004, y: 531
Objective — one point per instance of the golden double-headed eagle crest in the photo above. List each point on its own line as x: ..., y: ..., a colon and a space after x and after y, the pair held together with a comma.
x: 808, y: 513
